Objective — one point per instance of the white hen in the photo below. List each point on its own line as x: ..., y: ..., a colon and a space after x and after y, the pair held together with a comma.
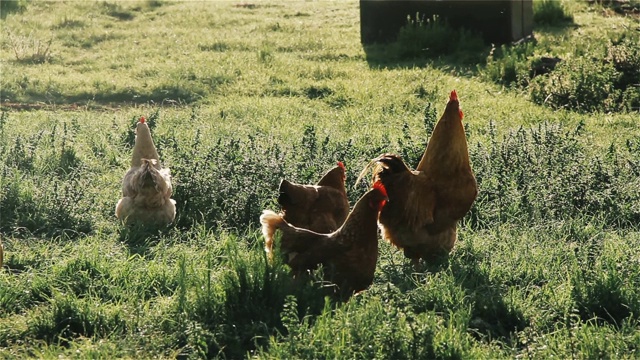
x: 146, y: 187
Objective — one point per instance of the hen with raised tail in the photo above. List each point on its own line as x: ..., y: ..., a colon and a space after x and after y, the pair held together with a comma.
x: 146, y: 187
x: 426, y: 204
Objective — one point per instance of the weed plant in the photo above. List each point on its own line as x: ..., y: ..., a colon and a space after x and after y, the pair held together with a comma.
x: 596, y: 78
x: 29, y: 50
x: 433, y: 37
x: 621, y: 7
x: 602, y: 79
x: 510, y: 65
x: 607, y: 83
x: 550, y: 12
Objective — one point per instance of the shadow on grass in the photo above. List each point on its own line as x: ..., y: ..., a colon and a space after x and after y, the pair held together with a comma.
x: 141, y: 238
x: 451, y: 282
x: 398, y: 34
x: 165, y: 95
x: 8, y: 7
x: 401, y: 34
x: 556, y: 30
x: 492, y: 315
x: 384, y: 56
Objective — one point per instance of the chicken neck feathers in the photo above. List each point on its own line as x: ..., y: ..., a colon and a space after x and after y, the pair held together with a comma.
x: 334, y: 178
x: 447, y: 149
x: 144, y: 147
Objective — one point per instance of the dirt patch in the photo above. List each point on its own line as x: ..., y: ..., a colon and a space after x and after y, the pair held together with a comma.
x: 15, y: 106
x: 621, y: 7
x: 12, y: 106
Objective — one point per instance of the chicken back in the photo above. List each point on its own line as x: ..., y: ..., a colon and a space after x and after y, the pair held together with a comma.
x: 322, y: 207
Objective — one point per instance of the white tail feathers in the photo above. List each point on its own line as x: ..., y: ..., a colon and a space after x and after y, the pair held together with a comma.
x: 136, y: 179
x: 270, y: 223
x: 161, y: 178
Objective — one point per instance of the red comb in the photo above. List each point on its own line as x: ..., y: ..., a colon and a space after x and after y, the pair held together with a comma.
x: 380, y: 187
x: 342, y: 165
x: 454, y: 97
x: 142, y: 119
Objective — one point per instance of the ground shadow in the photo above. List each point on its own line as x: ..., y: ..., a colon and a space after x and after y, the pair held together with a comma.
x: 492, y: 315
x: 389, y: 29
x: 140, y: 239
x: 455, y: 36
x: 10, y: 7
x: 167, y: 96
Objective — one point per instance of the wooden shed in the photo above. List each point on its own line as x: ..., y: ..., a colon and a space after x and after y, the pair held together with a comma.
x: 499, y: 21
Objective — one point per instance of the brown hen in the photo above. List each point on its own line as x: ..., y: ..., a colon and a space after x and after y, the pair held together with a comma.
x: 348, y: 255
x: 321, y: 208
x: 426, y: 204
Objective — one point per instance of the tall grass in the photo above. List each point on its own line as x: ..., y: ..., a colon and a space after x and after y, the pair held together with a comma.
x: 434, y: 37
x: 551, y: 12
x: 543, y: 195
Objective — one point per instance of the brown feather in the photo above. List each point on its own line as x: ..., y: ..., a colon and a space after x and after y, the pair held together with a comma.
x: 322, y: 207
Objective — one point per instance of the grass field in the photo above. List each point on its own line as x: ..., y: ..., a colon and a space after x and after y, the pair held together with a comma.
x: 242, y: 94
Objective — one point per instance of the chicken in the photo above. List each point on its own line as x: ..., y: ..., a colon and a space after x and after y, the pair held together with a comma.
x: 426, y: 204
x: 321, y: 208
x: 146, y: 187
x: 348, y: 255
